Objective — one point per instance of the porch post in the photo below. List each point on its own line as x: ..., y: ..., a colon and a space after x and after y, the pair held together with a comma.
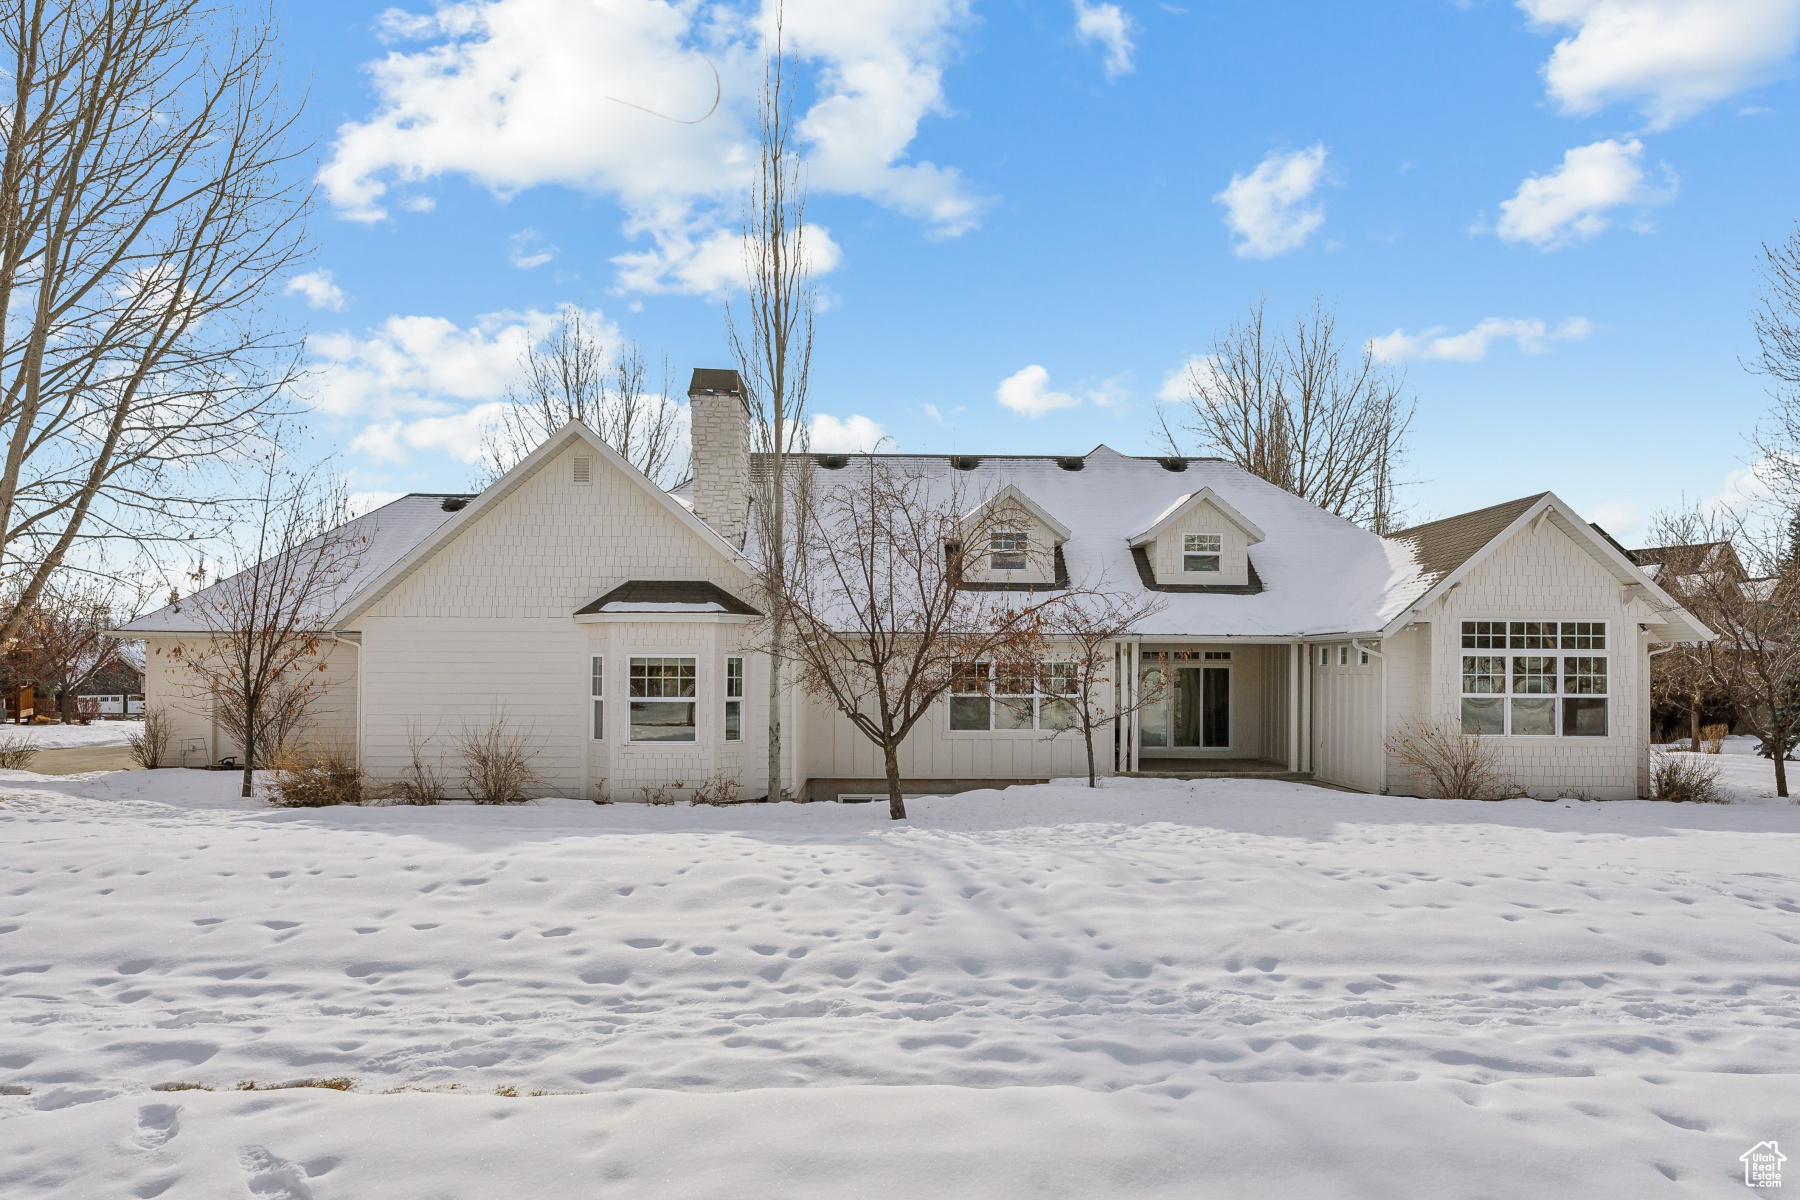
x: 1306, y: 708
x: 1293, y: 698
x: 1131, y: 726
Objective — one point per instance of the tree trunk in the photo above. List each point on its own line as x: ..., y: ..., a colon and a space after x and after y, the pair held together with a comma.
x: 1087, y: 732
x: 1694, y: 727
x: 249, y: 788
x: 897, y: 804
x: 1780, y: 762
x: 775, y: 705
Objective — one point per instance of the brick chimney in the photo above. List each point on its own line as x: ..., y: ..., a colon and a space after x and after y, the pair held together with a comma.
x: 721, y: 440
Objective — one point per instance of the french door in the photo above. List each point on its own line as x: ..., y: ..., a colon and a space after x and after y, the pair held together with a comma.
x: 1189, y: 706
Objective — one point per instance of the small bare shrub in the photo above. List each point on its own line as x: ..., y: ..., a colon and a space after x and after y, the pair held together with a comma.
x: 1686, y: 778
x: 602, y: 795
x: 496, y: 760
x: 721, y: 789
x: 315, y: 777
x: 419, y: 782
x: 87, y: 710
x: 1712, y: 738
x: 150, y: 742
x: 1450, y: 764
x: 16, y: 752
x: 663, y: 793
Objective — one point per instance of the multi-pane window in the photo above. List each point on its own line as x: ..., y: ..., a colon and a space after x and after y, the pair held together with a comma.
x: 1012, y: 697
x: 734, y: 699
x: 1517, y: 684
x: 598, y: 691
x: 1324, y: 656
x: 1200, y: 551
x: 1006, y: 550
x: 662, y: 699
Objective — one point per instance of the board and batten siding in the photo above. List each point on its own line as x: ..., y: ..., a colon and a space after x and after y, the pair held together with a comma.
x: 1543, y: 573
x: 1346, y: 716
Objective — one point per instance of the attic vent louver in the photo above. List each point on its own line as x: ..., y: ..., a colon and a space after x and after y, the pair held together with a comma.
x: 584, y: 470
x: 833, y: 462
x: 1071, y: 464
x: 964, y: 462
x: 1174, y: 464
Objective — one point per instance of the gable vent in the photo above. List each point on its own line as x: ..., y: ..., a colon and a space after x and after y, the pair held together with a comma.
x: 584, y: 470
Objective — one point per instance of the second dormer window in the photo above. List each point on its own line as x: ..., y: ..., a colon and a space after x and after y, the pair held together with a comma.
x: 1200, y: 552
x: 1006, y: 551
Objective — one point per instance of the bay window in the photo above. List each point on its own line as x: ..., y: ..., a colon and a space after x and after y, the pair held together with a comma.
x: 1514, y: 680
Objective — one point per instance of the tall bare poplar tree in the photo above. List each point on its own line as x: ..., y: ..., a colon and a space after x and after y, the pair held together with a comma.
x: 771, y: 336
x: 145, y: 213
x: 1299, y: 409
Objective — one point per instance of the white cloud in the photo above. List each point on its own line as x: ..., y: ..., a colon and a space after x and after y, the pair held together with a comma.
x: 1675, y: 57
x: 1267, y: 208
x: 1028, y: 393
x: 457, y: 436
x: 1178, y: 385
x: 931, y: 410
x: 527, y: 249
x: 515, y: 94
x: 1531, y: 335
x: 849, y: 435
x: 1108, y: 25
x: 319, y: 290
x: 1571, y: 203
x: 710, y: 263
x: 426, y: 366
x: 1620, y: 518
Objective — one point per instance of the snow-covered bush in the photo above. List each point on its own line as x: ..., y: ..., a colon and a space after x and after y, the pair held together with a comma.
x: 496, y: 762
x: 150, y: 742
x: 315, y: 776
x: 1686, y: 778
x: 1448, y: 764
x: 16, y: 752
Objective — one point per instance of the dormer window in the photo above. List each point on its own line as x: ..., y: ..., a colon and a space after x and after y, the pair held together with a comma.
x: 1006, y: 550
x: 1200, y: 552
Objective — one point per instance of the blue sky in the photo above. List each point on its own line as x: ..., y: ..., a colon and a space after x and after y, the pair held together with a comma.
x: 1548, y: 212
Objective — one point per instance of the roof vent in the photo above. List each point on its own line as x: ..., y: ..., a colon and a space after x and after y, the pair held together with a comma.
x: 1071, y: 464
x: 832, y: 462
x: 454, y: 503
x: 1173, y: 464
x: 964, y: 462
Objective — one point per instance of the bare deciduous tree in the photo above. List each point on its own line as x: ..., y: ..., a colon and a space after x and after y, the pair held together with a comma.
x: 1777, y: 324
x: 569, y: 376
x: 1084, y: 633
x: 146, y: 210
x: 63, y: 639
x: 879, y: 620
x: 262, y: 660
x: 771, y: 337
x: 1299, y: 410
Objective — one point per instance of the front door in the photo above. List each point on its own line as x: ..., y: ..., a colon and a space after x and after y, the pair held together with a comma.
x: 1190, y: 707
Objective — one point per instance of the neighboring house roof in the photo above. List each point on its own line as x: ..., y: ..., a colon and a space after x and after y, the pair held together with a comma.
x: 385, y: 534
x: 668, y: 596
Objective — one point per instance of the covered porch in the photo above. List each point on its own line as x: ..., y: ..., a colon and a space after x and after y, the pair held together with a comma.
x: 1214, y: 709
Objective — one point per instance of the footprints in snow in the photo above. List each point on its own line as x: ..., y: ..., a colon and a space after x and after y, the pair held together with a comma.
x: 275, y: 1178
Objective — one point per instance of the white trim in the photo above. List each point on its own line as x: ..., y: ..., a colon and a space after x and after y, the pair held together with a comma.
x: 1611, y: 653
x: 1569, y: 522
x: 498, y: 491
x: 1190, y: 501
x: 1012, y: 493
x: 664, y: 618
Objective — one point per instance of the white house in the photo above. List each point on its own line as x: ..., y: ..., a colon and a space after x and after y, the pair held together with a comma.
x: 617, y: 620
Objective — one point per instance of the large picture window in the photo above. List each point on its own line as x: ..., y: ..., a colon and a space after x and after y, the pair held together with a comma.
x: 1514, y: 683
x: 1012, y: 698
x: 662, y: 699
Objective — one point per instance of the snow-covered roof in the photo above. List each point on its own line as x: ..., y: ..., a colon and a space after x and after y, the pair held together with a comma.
x: 1320, y: 573
x: 382, y: 536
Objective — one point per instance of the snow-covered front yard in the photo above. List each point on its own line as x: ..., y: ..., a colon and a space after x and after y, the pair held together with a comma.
x: 56, y: 736
x: 1160, y: 989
